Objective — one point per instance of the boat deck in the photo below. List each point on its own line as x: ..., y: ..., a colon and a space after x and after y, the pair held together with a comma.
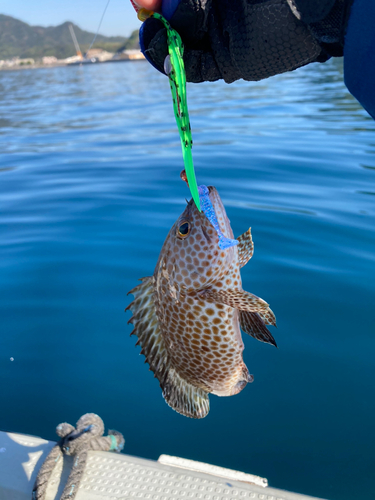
x: 112, y: 476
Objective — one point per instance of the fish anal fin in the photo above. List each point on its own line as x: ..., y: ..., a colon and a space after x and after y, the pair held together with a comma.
x: 236, y: 298
x: 252, y: 324
x: 184, y: 397
x: 245, y: 248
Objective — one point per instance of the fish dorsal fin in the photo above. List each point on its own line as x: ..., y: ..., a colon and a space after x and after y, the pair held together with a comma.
x: 147, y: 329
x: 245, y: 248
x: 179, y: 394
x: 238, y: 299
x: 253, y: 324
x: 184, y: 397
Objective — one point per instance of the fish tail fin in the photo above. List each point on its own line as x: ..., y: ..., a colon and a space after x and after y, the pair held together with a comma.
x: 183, y: 397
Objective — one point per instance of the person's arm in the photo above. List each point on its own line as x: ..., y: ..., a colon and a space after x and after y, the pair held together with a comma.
x: 255, y: 39
x: 249, y: 39
x: 359, y: 54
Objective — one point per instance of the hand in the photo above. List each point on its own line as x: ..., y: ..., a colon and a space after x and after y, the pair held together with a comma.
x: 253, y: 39
x: 165, y: 7
x: 154, y: 5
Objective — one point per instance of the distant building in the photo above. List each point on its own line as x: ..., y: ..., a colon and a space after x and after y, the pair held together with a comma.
x: 16, y: 61
x: 94, y: 53
x: 133, y: 54
x: 99, y: 54
x: 49, y: 60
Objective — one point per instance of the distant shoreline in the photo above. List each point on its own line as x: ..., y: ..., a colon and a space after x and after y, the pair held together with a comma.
x: 63, y: 65
x: 33, y: 44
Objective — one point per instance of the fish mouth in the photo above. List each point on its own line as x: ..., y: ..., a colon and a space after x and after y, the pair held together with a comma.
x: 219, y: 209
x: 214, y: 197
x: 211, y: 190
x: 220, y: 212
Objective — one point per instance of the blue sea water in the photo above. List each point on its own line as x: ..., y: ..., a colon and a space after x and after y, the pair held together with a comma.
x: 89, y: 187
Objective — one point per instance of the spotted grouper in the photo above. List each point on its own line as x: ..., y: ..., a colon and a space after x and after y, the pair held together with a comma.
x: 188, y: 316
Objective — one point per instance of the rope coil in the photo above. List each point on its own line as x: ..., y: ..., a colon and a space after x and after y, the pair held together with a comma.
x: 76, y: 441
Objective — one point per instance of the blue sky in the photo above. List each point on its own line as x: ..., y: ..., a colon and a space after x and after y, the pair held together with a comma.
x: 120, y: 18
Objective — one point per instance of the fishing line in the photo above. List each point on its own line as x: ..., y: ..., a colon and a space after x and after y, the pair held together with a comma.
x: 97, y: 31
x: 174, y: 68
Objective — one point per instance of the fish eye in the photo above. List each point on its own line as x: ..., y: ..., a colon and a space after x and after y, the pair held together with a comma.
x: 183, y: 230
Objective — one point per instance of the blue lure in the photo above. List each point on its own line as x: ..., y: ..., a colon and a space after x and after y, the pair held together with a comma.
x: 209, y: 212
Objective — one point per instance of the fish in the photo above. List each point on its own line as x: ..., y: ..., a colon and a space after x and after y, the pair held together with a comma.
x: 189, y: 314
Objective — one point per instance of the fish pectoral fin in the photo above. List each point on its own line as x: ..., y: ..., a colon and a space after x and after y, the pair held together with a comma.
x: 268, y: 317
x: 253, y: 324
x: 238, y: 299
x: 147, y: 329
x: 184, y: 397
x: 245, y: 248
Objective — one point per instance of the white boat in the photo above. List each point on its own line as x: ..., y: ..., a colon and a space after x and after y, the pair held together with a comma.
x: 113, y: 476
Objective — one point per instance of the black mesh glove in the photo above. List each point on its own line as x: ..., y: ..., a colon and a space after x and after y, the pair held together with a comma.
x: 249, y: 39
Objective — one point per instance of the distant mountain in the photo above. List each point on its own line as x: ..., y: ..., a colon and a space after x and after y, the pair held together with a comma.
x: 20, y: 39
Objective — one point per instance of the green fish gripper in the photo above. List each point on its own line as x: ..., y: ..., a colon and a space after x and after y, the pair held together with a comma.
x: 177, y: 82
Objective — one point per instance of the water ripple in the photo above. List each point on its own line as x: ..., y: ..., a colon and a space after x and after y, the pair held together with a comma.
x: 89, y: 188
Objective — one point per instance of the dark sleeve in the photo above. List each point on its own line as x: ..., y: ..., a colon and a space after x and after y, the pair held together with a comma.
x: 233, y: 39
x: 359, y: 54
